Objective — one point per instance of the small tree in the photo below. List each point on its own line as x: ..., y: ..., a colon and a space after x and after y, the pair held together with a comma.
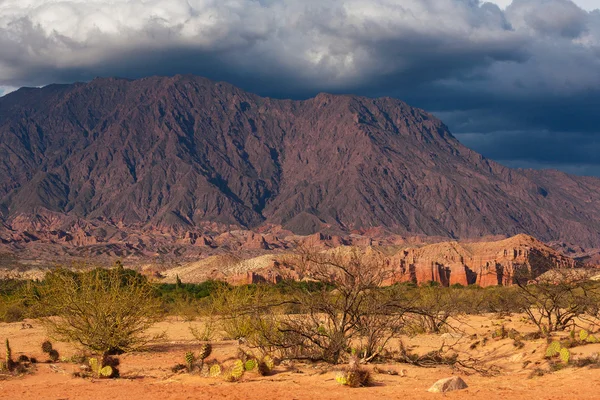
x: 347, y: 304
x: 107, y: 311
x: 555, y: 300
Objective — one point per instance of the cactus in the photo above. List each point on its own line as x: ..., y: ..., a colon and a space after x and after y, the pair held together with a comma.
x: 205, y: 351
x: 105, y: 368
x: 237, y: 370
x: 591, y: 339
x: 553, y: 349
x: 53, y: 355
x: 23, y: 358
x: 105, y: 372
x: 9, y: 360
x: 265, y: 365
x: 250, y: 365
x: 214, y: 371
x: 354, y: 377
x: 499, y: 333
x: 190, y: 359
x: 583, y: 335
x: 94, y: 365
x: 340, y: 378
x: 565, y: 355
x: 47, y: 347
x: 268, y: 360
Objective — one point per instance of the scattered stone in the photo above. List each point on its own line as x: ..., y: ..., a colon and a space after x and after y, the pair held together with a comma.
x: 448, y: 385
x: 451, y: 335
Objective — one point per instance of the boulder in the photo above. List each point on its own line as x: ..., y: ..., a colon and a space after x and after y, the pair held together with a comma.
x: 448, y: 385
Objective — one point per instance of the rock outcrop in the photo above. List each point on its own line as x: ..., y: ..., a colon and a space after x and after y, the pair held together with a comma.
x: 448, y: 263
x: 483, y: 263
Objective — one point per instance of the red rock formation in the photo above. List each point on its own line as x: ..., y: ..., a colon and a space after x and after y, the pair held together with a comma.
x: 482, y: 263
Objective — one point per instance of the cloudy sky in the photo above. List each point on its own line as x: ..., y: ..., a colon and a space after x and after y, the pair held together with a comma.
x: 518, y: 81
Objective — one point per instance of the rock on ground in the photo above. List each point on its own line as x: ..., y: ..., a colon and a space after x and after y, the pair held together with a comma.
x: 448, y: 385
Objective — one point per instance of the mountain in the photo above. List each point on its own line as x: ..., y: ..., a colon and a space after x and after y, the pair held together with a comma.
x: 186, y: 154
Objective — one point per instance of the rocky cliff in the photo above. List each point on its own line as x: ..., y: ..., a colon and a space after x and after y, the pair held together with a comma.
x: 486, y: 263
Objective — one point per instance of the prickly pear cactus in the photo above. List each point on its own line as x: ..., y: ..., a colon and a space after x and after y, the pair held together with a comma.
x: 47, y: 347
x: 265, y: 365
x: 591, y: 339
x: 553, y: 349
x: 105, y: 372
x: 250, y: 365
x: 268, y: 360
x: 565, y: 355
x: 214, y: 371
x: 341, y: 378
x: 205, y: 351
x: 237, y: 370
x: 190, y: 358
x: 53, y: 355
x: 583, y: 335
x: 94, y: 365
x: 353, y: 378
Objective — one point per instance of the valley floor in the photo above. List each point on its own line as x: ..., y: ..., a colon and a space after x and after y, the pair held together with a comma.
x: 147, y: 375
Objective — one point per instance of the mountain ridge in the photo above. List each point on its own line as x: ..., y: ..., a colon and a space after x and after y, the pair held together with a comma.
x: 184, y: 153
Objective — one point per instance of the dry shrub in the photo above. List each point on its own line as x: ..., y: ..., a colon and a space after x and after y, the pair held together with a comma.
x: 557, y: 299
x: 345, y: 304
x: 106, y: 311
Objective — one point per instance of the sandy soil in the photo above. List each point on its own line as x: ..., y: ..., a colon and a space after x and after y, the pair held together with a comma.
x: 147, y: 375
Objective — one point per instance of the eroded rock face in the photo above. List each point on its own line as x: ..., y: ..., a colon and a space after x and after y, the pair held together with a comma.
x: 483, y: 263
x: 166, y: 156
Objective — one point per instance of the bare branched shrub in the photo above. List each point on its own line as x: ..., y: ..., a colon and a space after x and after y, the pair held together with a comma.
x: 557, y: 299
x: 345, y: 304
x: 106, y: 311
x: 433, y: 306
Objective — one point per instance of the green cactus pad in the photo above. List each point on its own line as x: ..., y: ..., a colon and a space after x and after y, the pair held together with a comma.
x: 341, y: 378
x: 237, y: 370
x: 214, y: 371
x: 53, y: 355
x: 205, y: 351
x: 94, y: 365
x: 47, y: 347
x: 565, y: 355
x: 268, y: 360
x: 250, y: 365
x: 583, y: 335
x: 190, y: 358
x: 105, y: 372
x: 553, y: 349
x: 591, y: 339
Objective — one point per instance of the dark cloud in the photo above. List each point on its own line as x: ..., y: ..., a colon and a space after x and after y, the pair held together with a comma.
x: 521, y: 85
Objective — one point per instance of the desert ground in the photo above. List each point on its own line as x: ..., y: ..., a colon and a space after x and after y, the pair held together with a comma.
x: 147, y: 374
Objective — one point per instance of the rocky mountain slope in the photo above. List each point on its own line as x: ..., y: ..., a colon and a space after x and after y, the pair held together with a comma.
x: 115, y: 159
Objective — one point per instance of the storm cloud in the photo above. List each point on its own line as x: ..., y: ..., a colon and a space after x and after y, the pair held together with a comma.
x: 520, y: 84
